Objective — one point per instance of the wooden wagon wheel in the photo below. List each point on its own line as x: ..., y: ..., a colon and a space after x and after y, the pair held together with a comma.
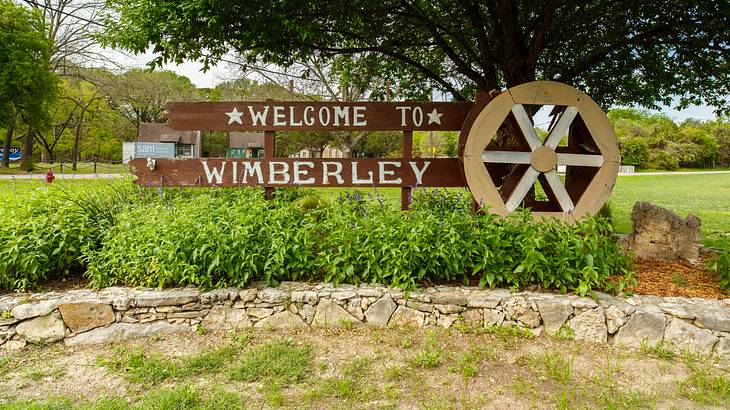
x: 503, y: 178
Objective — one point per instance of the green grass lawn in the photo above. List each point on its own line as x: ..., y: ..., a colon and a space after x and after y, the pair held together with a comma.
x: 65, y: 168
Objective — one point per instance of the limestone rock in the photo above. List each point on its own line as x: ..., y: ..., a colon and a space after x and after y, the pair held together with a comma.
x: 486, y: 298
x: 423, y: 307
x: 260, y: 313
x: 379, y: 313
x: 714, y: 319
x: 166, y: 297
x: 493, y: 317
x: 219, y: 295
x: 272, y: 295
x: 590, y: 326
x: 449, y: 298
x: 659, y: 233
x: 226, y: 318
x: 641, y: 326
x: 29, y: 310
x: 281, y: 320
x: 473, y: 317
x: 405, y: 316
x: 329, y: 313
x: 615, y: 318
x: 123, y: 331
x: 353, y: 307
x: 307, y: 312
x: 519, y: 309
x: 722, y: 347
x: 446, y: 321
x: 83, y: 316
x: 42, y: 329
x: 306, y: 296
x: 554, y: 313
x: 681, y: 334
x: 13, y: 345
x: 449, y: 309
x: 248, y: 295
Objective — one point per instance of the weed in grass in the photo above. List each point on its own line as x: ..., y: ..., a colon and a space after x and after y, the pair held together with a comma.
x: 5, y: 365
x: 393, y: 373
x: 565, y: 332
x: 430, y: 356
x: 678, y: 280
x: 558, y: 367
x: 705, y: 388
x: 406, y: 343
x: 466, y: 363
x: 273, y: 393
x: 278, y: 361
x: 208, y: 361
x: 661, y: 350
x: 243, y: 339
x: 138, y: 366
x: 201, y: 330
x: 352, y: 385
x: 345, y: 324
x: 523, y: 388
x: 181, y: 397
x: 509, y: 334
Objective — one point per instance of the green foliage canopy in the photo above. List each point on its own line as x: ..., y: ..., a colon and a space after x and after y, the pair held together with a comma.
x: 27, y: 86
x: 620, y: 51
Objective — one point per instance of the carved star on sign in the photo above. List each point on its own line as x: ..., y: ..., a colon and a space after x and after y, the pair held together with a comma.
x: 234, y: 116
x: 542, y: 158
x: 434, y: 117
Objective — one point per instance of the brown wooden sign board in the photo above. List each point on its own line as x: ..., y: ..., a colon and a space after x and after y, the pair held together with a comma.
x: 290, y: 172
x: 317, y: 116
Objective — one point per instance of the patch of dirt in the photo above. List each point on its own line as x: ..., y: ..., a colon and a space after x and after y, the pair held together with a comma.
x: 677, y: 278
x: 509, y: 372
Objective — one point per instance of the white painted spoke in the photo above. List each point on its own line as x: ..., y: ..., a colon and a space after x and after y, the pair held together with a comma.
x: 522, y: 188
x: 580, y: 160
x: 528, y: 129
x: 506, y: 157
x: 561, y: 127
x: 553, y: 179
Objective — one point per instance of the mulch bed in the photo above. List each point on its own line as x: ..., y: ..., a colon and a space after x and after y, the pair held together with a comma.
x: 677, y: 278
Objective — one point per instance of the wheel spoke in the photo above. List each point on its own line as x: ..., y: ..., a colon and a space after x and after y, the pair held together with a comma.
x: 559, y: 190
x: 506, y: 157
x: 522, y: 188
x: 561, y: 127
x: 580, y: 160
x: 528, y: 129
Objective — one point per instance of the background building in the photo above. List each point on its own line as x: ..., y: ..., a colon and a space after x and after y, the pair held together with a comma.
x: 157, y: 140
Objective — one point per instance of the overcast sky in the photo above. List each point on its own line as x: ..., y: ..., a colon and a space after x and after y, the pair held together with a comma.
x: 193, y: 70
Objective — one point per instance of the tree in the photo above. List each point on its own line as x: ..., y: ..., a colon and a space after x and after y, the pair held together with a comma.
x: 27, y: 86
x: 621, y: 51
x: 141, y: 95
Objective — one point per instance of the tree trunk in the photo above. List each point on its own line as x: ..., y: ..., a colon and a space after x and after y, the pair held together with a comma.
x: 27, y: 162
x: 6, y: 145
x: 77, y: 138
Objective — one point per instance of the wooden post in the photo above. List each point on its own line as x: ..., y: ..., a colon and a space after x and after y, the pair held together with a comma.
x: 269, y: 152
x: 405, y: 193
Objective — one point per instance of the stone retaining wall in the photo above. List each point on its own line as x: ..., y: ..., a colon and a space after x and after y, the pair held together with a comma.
x: 86, y: 316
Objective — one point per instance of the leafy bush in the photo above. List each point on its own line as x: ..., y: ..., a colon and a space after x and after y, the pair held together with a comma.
x: 40, y: 238
x: 720, y: 265
x: 635, y: 151
x: 230, y: 237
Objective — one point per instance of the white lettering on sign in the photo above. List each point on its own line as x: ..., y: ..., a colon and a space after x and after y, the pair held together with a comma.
x: 258, y: 117
x: 356, y: 179
x: 210, y: 175
x: 383, y: 172
x: 358, y: 116
x: 342, y: 113
x: 326, y: 173
x: 279, y: 117
x: 273, y: 172
x: 251, y: 169
x: 419, y: 172
x: 297, y: 172
x: 403, y: 115
x: 308, y: 119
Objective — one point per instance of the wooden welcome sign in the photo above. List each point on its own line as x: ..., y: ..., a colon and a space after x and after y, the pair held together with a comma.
x: 502, y: 159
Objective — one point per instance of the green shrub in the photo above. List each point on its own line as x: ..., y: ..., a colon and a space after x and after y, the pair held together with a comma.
x: 720, y: 265
x: 635, y: 151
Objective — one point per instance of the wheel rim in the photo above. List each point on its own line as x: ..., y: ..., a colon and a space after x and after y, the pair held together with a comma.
x: 590, y: 176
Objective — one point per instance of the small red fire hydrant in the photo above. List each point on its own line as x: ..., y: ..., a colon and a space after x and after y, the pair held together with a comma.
x: 49, y: 176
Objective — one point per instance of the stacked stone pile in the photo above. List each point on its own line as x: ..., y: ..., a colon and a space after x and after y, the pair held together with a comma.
x: 113, y: 314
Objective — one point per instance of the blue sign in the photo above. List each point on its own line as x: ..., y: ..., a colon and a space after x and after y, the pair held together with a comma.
x: 15, y: 154
x: 154, y: 150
